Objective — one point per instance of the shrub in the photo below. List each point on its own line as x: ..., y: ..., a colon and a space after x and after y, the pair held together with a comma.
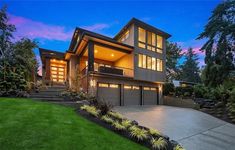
x: 159, y: 143
x: 104, y: 106
x: 91, y: 109
x: 139, y: 134
x: 200, y: 91
x: 178, y: 147
x: 182, y: 91
x: 126, y: 123
x: 118, y: 126
x: 154, y: 132
x: 115, y: 115
x: 107, y: 119
x: 168, y: 88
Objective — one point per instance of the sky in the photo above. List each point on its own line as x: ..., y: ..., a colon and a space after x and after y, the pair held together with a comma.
x: 51, y: 23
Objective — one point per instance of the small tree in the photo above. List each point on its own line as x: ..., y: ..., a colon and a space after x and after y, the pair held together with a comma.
x: 190, y: 69
x: 173, y: 54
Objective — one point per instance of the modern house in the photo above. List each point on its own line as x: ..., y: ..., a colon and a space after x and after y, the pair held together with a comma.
x: 128, y: 69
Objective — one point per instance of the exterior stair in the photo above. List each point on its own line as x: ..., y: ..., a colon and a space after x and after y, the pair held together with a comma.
x: 48, y: 94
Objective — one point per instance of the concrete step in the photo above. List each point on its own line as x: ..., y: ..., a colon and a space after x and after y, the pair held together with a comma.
x: 48, y: 99
x: 45, y: 93
x: 44, y: 96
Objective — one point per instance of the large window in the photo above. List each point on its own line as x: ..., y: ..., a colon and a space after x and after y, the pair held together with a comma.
x: 159, y: 65
x: 142, y: 38
x: 150, y: 63
x: 152, y: 41
x: 159, y: 44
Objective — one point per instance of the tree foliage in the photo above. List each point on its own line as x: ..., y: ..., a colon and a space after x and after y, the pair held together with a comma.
x: 190, y: 70
x: 173, y: 54
x: 219, y: 48
x: 17, y: 60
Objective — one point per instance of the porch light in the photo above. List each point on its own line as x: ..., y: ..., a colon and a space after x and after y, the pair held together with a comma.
x: 92, y: 83
x: 160, y: 88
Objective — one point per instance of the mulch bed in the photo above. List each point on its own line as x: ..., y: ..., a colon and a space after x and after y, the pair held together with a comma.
x: 124, y: 133
x: 220, y: 113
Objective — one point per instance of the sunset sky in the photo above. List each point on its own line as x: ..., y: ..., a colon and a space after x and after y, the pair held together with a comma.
x: 52, y: 23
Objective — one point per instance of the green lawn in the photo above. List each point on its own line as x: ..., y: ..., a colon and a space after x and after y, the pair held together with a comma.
x: 27, y: 124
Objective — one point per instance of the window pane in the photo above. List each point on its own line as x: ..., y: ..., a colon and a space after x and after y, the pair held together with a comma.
x: 141, y: 45
x: 142, y: 35
x: 159, y: 65
x: 153, y: 39
x: 149, y: 62
x: 127, y: 87
x: 103, y: 85
x: 140, y: 60
x: 144, y: 61
x: 149, y: 38
x: 159, y: 50
x: 159, y: 41
x: 153, y: 63
x: 113, y: 85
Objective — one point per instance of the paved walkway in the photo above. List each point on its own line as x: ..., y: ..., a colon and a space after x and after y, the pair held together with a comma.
x: 191, y: 128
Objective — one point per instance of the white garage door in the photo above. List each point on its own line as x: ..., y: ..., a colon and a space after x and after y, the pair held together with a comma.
x: 109, y: 93
x: 150, y: 95
x: 132, y: 95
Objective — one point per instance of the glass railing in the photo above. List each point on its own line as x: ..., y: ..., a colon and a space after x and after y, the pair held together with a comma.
x: 112, y: 70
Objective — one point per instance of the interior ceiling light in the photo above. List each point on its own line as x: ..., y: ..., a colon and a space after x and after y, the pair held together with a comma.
x: 96, y: 51
x: 112, y: 55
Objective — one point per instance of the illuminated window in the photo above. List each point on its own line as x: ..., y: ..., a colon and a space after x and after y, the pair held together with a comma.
x: 140, y: 60
x: 146, y: 88
x: 159, y: 41
x: 142, y: 38
x: 53, y: 68
x: 136, y: 87
x: 142, y: 35
x: 113, y: 85
x: 61, y: 69
x: 153, y: 39
x: 127, y: 87
x: 53, y: 72
x: 54, y: 76
x: 144, y: 61
x: 103, y: 85
x: 153, y: 63
x: 125, y: 36
x: 159, y: 65
x: 153, y: 89
x: 60, y: 80
x: 149, y: 38
x: 149, y: 62
x: 61, y: 73
x: 54, y: 80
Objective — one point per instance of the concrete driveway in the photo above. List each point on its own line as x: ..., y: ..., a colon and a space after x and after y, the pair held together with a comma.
x: 191, y: 128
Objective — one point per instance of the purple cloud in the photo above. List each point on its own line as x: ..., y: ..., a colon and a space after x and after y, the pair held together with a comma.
x: 96, y: 27
x: 35, y: 29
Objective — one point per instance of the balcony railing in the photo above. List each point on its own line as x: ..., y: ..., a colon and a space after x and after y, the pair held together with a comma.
x: 111, y: 70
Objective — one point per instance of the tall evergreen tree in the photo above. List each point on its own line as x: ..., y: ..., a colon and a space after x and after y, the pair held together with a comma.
x: 173, y: 54
x: 219, y: 48
x: 190, y: 69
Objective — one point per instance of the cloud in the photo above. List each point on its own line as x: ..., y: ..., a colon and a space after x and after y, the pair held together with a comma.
x: 35, y: 29
x: 96, y: 27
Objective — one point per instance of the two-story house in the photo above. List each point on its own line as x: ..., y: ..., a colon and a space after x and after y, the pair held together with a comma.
x: 128, y: 69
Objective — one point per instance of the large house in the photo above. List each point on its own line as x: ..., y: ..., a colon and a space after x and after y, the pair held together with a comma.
x: 128, y: 69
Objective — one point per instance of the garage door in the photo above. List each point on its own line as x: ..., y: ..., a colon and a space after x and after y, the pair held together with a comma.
x: 109, y: 93
x: 132, y: 95
x: 150, y: 96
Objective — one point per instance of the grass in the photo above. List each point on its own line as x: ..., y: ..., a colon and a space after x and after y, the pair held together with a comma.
x: 27, y: 124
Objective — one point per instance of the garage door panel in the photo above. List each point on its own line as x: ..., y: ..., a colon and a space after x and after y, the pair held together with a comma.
x: 150, y: 96
x: 111, y: 94
x: 132, y: 97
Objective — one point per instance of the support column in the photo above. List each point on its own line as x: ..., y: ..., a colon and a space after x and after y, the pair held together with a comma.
x: 90, y: 56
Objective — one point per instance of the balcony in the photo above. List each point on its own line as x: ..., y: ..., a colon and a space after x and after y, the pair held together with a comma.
x: 110, y: 70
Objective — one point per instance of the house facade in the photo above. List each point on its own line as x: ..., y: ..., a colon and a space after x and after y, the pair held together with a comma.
x: 128, y: 69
